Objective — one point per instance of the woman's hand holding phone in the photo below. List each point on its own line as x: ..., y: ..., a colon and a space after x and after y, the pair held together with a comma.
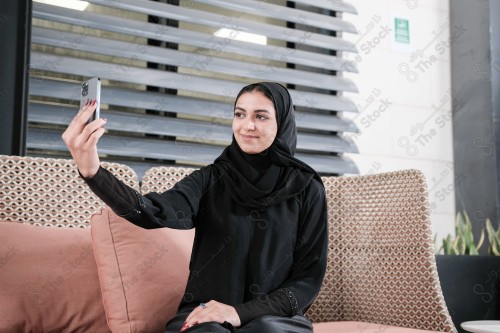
x: 82, y: 137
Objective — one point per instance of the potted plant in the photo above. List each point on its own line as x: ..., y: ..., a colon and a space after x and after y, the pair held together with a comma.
x: 470, y: 281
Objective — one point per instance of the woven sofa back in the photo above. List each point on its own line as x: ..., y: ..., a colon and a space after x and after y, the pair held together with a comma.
x: 49, y: 192
x: 381, y: 262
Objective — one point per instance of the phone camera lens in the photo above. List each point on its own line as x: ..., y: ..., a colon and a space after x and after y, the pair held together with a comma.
x: 85, y: 89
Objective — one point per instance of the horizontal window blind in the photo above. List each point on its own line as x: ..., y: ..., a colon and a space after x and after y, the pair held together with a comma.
x: 169, y: 81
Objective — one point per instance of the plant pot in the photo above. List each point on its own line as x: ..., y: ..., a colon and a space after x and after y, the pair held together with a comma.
x: 470, y: 287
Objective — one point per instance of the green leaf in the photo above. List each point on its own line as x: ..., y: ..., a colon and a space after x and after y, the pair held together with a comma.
x: 493, y: 238
x: 494, y: 250
x: 481, y: 240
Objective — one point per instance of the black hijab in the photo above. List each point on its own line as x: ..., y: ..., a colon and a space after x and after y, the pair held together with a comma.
x: 261, y: 180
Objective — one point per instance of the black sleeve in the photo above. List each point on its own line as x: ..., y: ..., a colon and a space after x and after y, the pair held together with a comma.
x: 302, y: 286
x: 174, y: 208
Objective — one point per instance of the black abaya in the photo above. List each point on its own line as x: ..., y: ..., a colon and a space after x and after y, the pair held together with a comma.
x: 267, y: 262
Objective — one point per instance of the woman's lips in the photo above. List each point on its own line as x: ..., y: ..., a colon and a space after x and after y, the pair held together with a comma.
x: 248, y: 137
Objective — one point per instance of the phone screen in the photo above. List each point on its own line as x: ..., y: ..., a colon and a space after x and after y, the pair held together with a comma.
x: 91, y: 90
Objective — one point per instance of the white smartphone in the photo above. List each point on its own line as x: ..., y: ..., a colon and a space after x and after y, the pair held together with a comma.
x: 91, y: 90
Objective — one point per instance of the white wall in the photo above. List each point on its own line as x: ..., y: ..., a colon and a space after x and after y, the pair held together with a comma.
x: 405, y: 96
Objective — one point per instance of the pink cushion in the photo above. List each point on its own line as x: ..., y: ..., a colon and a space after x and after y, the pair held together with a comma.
x: 48, y: 280
x: 143, y: 273
x: 358, y: 327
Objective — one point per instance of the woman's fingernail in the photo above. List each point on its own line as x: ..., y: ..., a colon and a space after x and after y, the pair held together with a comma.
x: 86, y: 102
x: 95, y: 101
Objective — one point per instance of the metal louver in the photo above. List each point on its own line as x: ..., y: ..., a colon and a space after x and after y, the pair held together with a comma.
x: 169, y: 83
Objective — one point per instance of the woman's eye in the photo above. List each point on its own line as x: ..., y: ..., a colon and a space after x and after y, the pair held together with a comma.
x: 238, y: 115
x: 261, y: 117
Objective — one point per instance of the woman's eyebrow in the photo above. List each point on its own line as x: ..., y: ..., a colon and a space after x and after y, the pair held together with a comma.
x: 259, y: 110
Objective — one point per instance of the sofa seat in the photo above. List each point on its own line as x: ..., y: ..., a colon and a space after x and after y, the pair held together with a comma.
x: 360, y: 327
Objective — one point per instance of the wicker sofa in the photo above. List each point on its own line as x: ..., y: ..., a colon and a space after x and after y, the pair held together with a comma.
x: 381, y: 275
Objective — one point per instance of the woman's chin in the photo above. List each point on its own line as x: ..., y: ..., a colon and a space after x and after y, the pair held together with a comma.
x: 249, y: 149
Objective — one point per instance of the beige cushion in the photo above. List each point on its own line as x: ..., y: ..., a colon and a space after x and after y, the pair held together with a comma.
x: 359, y: 327
x: 48, y: 280
x: 143, y: 273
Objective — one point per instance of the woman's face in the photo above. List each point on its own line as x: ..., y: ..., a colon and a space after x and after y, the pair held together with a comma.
x: 254, y: 123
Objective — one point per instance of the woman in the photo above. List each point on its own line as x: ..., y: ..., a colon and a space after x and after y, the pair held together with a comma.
x: 259, y: 254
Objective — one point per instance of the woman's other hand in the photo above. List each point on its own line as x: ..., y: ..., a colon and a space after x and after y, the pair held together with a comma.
x: 212, y: 311
x: 81, y: 140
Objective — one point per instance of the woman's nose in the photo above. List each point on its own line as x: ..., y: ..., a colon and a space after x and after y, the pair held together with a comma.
x: 250, y: 125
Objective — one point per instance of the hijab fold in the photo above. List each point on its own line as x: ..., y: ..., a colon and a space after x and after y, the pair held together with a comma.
x: 258, y: 181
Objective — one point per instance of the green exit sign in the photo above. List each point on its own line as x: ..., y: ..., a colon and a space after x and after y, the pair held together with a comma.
x: 401, y: 30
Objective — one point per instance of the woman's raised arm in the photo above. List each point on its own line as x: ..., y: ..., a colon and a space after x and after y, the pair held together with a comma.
x: 81, y: 140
